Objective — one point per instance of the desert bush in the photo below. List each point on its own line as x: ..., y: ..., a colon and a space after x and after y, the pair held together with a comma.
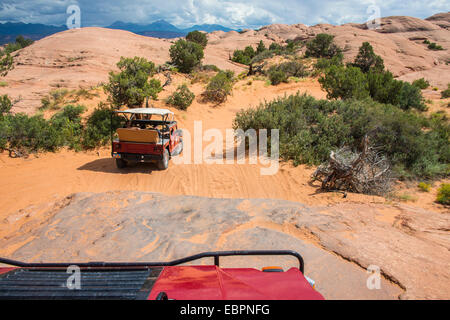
x: 261, y: 57
x: 131, y: 86
x: 244, y: 56
x: 25, y: 134
x: 425, y: 187
x: 322, y: 46
x: 446, y: 93
x: 6, y: 60
x: 275, y: 47
x: 197, y: 37
x: 182, y: 98
x: 220, y: 87
x: 435, y: 46
x: 54, y: 99
x: 310, y: 129
x: 209, y: 67
x: 293, y: 69
x: 324, y: 63
x: 345, y: 83
x: 6, y: 64
x: 261, y: 47
x: 351, y: 83
x: 443, y: 195
x: 68, y: 125
x: 367, y: 60
x: 98, y: 128
x: 277, y: 76
x: 410, y: 97
x: 421, y: 83
x: 186, y: 55
x: 5, y: 105
x: 282, y: 72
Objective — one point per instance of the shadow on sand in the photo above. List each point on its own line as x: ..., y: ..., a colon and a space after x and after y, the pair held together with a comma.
x: 108, y: 165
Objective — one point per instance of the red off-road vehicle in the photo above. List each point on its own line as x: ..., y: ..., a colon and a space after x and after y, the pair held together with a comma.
x: 158, y: 280
x: 149, y: 135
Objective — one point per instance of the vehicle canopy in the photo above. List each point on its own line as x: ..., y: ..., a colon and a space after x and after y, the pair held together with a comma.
x: 146, y: 113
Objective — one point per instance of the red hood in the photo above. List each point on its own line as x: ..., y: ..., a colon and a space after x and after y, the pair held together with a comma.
x: 214, y: 283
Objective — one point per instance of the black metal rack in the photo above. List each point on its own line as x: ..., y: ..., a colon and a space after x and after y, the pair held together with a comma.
x: 145, y: 265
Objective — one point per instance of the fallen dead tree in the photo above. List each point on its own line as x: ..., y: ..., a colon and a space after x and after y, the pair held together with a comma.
x: 367, y: 172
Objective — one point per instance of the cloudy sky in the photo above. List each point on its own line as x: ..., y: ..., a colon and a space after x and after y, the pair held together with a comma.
x: 230, y: 13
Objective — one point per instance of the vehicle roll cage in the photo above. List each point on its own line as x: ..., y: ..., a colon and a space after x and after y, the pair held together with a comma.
x: 145, y: 265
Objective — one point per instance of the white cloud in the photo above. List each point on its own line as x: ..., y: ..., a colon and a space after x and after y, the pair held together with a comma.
x: 231, y: 13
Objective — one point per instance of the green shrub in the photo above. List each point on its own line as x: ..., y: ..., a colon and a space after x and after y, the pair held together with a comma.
x: 6, y: 60
x: 5, y: 105
x: 244, y: 56
x: 197, y: 37
x: 131, y: 85
x: 367, y: 60
x: 426, y: 41
x: 410, y: 97
x: 425, y: 187
x: 34, y: 133
x: 345, y: 83
x: 322, y: 46
x: 282, y: 72
x: 324, y: 63
x: 351, y: 83
x: 6, y: 64
x: 68, y: 125
x: 182, y: 98
x: 261, y: 57
x: 261, y: 47
x: 97, y: 131
x: 421, y: 83
x: 209, y: 67
x: 434, y: 46
x: 293, y: 69
x: 443, y: 196
x: 219, y: 87
x: 446, y: 93
x: 309, y: 129
x: 54, y: 99
x: 277, y: 76
x: 275, y: 47
x: 186, y: 55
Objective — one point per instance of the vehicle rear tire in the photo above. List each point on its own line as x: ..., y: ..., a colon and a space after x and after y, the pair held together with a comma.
x: 120, y: 163
x: 164, y: 163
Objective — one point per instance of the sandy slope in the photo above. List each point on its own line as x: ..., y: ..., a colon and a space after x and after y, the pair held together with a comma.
x: 83, y: 57
x: 46, y: 177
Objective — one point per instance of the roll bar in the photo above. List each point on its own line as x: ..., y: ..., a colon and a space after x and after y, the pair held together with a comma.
x: 142, y: 265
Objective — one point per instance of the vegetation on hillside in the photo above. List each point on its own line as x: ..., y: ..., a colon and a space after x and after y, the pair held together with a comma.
x: 197, y: 37
x: 366, y: 77
x: 219, y: 87
x: 22, y: 134
x: 131, y: 86
x: 416, y: 145
x: 6, y: 60
x: 182, y: 98
x: 186, y: 55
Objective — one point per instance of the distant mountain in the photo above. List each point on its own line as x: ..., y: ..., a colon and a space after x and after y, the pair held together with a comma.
x: 208, y: 28
x: 160, y: 25
x: 158, y: 29
x: 163, y: 29
x: 162, y: 34
x: 10, y: 30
